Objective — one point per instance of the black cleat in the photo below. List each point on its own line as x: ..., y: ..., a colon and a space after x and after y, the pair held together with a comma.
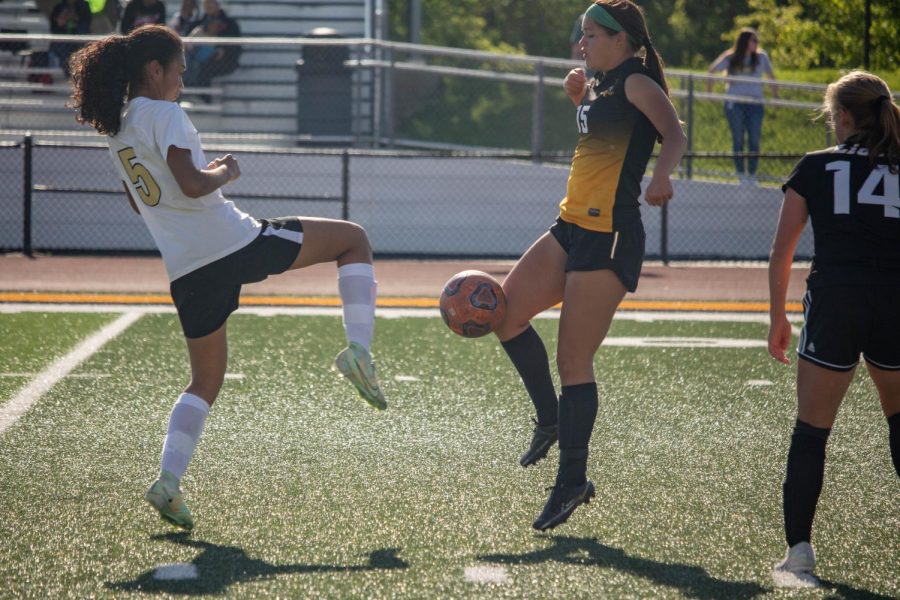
x: 562, y: 503
x: 542, y: 440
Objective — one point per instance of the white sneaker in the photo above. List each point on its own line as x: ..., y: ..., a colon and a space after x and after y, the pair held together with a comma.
x: 166, y: 496
x: 356, y: 364
x: 796, y: 570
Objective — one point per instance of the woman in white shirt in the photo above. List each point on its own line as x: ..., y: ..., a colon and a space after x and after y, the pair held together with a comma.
x: 745, y: 118
x: 126, y: 87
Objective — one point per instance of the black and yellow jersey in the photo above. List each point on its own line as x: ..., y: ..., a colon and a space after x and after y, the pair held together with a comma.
x: 611, y: 156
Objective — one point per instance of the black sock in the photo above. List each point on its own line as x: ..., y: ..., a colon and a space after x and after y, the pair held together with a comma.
x: 527, y: 353
x: 577, y: 412
x: 894, y: 435
x: 803, y: 481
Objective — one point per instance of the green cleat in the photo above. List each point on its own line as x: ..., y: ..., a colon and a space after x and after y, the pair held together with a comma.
x: 166, y: 497
x: 355, y: 363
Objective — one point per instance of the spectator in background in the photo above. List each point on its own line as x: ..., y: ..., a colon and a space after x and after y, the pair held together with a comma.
x: 744, y: 59
x: 69, y: 17
x: 104, y: 16
x: 186, y: 18
x: 203, y: 64
x: 142, y: 12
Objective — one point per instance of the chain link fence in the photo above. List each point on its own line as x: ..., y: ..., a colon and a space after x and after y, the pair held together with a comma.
x: 64, y: 197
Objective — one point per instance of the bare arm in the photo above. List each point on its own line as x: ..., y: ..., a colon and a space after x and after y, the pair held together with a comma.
x: 790, y: 225
x: 771, y: 75
x: 712, y: 69
x: 196, y: 182
x: 651, y: 100
x: 130, y: 199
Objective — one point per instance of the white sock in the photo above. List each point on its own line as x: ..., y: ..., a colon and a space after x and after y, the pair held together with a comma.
x: 185, y: 426
x: 357, y: 285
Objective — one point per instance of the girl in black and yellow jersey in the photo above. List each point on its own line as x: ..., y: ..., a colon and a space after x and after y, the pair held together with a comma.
x: 851, y: 194
x: 592, y: 256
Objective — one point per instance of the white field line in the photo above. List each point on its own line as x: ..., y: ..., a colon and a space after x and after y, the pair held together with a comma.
x: 486, y: 574
x: 684, y: 342
x: 175, y: 572
x: 19, y: 405
x: 388, y: 313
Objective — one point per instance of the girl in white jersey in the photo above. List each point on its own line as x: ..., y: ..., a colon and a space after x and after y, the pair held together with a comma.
x: 851, y: 195
x: 126, y: 87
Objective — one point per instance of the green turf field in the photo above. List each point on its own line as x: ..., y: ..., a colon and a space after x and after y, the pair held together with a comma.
x: 301, y: 490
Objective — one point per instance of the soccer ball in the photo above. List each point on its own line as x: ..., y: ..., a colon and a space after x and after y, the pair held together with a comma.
x: 472, y: 304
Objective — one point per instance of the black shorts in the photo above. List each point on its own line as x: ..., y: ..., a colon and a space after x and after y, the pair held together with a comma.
x: 842, y: 322
x: 621, y: 251
x: 205, y: 297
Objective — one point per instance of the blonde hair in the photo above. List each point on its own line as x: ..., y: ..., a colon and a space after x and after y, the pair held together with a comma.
x: 877, y: 119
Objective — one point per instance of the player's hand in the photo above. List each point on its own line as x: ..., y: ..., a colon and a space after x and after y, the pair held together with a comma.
x: 659, y: 191
x: 779, y: 338
x: 231, y: 165
x: 575, y: 85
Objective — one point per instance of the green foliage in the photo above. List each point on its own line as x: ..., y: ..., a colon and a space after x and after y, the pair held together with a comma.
x: 688, y: 33
x: 810, y: 40
x: 824, y: 75
x: 825, y: 33
x: 693, y: 32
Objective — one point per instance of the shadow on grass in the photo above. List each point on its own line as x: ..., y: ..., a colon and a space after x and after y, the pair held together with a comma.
x: 689, y: 580
x: 221, y: 566
x: 842, y: 591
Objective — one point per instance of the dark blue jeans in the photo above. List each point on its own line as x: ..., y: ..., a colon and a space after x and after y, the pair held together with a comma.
x: 744, y: 118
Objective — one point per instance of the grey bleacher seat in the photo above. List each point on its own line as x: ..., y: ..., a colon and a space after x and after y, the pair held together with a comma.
x: 260, y: 96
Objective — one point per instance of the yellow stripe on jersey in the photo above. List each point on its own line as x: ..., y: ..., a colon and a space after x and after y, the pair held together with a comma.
x: 593, y: 181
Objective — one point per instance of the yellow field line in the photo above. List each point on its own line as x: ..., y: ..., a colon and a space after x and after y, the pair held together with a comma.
x: 391, y: 302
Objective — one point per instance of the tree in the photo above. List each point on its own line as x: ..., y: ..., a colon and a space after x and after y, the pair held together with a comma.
x: 825, y: 33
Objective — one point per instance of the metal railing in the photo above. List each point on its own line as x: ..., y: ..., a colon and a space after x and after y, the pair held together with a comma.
x: 408, y: 95
x: 487, y: 136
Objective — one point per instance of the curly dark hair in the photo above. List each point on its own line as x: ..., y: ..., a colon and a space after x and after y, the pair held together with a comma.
x: 105, y: 70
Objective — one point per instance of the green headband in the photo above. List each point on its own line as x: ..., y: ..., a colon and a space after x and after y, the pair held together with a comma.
x: 599, y: 15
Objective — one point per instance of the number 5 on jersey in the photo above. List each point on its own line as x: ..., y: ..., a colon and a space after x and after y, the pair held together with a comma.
x: 140, y: 177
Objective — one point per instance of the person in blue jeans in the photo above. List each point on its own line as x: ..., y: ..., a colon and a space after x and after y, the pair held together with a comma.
x: 744, y: 114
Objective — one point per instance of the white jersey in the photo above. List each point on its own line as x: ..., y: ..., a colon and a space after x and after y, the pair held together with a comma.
x: 189, y: 232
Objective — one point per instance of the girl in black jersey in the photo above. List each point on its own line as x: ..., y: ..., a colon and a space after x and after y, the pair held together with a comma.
x: 851, y: 194
x: 592, y: 256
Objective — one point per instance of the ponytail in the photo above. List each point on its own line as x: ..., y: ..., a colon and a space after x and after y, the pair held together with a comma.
x: 100, y: 81
x: 654, y: 63
x: 105, y: 71
x: 887, y: 115
x: 875, y: 116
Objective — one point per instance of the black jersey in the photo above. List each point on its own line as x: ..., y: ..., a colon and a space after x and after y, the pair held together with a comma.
x: 854, y: 207
x: 611, y: 156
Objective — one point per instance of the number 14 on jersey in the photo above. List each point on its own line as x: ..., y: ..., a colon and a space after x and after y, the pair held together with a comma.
x: 889, y: 198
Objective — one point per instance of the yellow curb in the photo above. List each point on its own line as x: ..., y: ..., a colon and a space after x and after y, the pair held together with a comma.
x: 392, y: 302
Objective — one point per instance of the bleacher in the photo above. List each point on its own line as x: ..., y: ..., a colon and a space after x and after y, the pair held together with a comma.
x: 245, y: 108
x: 259, y: 97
